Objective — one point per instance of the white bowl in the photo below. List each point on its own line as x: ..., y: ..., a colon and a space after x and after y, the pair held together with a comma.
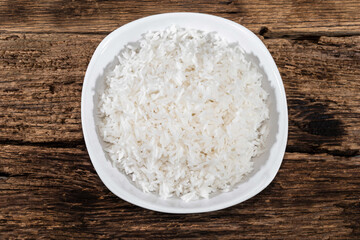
x: 265, y: 166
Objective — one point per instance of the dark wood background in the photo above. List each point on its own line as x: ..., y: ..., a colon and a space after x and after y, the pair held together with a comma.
x: 48, y: 187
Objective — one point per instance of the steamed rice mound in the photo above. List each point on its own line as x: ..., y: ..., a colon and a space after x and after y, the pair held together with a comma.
x: 183, y: 113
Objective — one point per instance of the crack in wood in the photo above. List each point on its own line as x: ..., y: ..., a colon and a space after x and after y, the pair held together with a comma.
x: 314, y: 37
x: 334, y: 153
x: 227, y: 2
x: 4, y: 176
x: 54, y: 32
x: 61, y: 144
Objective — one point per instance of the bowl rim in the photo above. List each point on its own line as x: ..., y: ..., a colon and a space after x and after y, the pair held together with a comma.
x: 151, y: 206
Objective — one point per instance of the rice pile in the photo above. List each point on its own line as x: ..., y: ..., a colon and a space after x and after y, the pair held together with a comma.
x: 183, y: 113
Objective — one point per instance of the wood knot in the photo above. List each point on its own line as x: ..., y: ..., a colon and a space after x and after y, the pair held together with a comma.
x: 263, y: 31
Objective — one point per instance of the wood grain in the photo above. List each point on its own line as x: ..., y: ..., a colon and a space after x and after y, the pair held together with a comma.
x: 55, y: 192
x: 273, y: 18
x: 42, y: 77
x: 321, y: 80
x: 48, y: 187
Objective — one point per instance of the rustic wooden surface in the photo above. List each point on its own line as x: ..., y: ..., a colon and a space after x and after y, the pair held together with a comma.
x: 48, y: 187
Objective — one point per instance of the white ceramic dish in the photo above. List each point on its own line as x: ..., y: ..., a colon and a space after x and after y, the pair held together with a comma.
x: 266, y: 165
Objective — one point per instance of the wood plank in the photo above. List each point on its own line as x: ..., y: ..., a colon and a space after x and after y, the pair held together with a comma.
x: 271, y: 18
x: 41, y: 77
x: 322, y: 85
x: 41, y: 80
x: 55, y: 192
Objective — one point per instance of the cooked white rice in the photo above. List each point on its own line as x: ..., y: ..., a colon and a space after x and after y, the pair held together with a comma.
x: 183, y: 113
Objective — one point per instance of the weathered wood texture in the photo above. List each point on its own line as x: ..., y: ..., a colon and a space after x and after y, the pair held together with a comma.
x: 42, y: 74
x: 48, y: 187
x: 281, y: 17
x: 55, y: 192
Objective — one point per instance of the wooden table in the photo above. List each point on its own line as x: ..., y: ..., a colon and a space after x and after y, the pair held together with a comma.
x: 48, y: 187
